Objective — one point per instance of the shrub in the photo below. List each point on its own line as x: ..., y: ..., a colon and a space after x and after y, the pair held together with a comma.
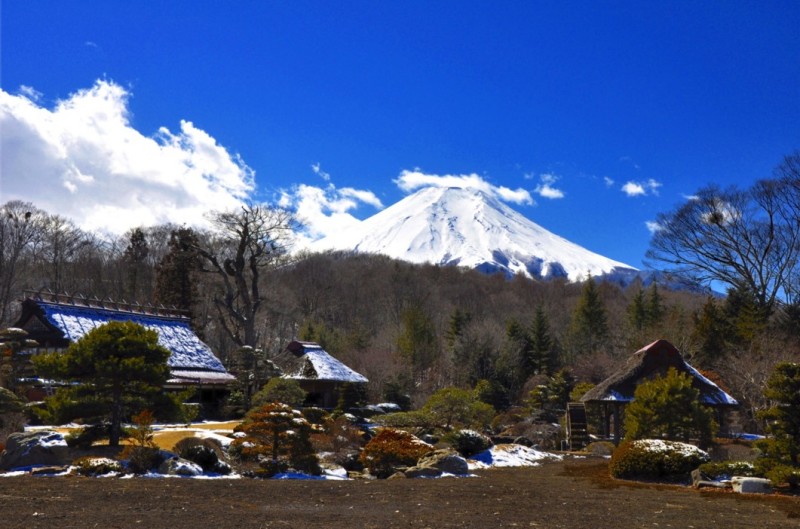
x: 718, y: 470
x: 283, y: 390
x: 315, y: 415
x: 142, y: 454
x: 656, y: 459
x: 391, y: 449
x: 669, y: 408
x: 780, y: 458
x: 277, y: 433
x: 452, y: 406
x: 88, y: 435
x: 96, y: 466
x: 467, y: 442
x: 406, y: 419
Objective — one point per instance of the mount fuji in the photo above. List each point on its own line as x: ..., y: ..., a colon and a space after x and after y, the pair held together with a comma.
x: 468, y: 228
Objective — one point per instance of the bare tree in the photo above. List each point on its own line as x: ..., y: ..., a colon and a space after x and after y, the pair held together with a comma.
x: 20, y: 227
x: 743, y: 238
x: 247, y: 241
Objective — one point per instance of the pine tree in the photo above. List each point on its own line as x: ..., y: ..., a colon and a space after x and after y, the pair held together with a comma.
x: 417, y: 340
x: 175, y: 282
x: 669, y: 407
x: 589, y: 327
x: 655, y: 306
x: 117, y: 370
x: 783, y: 417
x: 541, y: 359
x: 135, y: 255
x: 710, y: 332
x: 637, y: 311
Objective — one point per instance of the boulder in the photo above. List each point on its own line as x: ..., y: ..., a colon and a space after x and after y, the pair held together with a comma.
x: 176, y: 466
x: 447, y: 461
x: 700, y: 480
x: 422, y: 472
x: 751, y: 485
x: 29, y: 449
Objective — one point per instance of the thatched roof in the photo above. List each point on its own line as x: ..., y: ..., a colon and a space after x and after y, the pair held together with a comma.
x: 651, y: 362
x: 312, y: 362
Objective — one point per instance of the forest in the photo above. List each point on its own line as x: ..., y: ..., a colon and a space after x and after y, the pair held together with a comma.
x: 412, y: 329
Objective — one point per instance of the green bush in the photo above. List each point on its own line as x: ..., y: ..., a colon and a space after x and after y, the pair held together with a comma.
x: 278, y: 389
x: 669, y: 407
x: 391, y: 449
x: 718, y: 470
x: 405, y: 419
x: 654, y: 459
x: 88, y: 435
x: 467, y: 442
x: 315, y: 415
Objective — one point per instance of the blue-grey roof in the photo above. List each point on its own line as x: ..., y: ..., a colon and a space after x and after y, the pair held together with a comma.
x: 188, y: 352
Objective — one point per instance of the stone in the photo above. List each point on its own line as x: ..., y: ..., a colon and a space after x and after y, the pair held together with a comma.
x: 447, y: 461
x: 29, y: 449
x: 422, y: 472
x: 176, y: 466
x: 751, y: 485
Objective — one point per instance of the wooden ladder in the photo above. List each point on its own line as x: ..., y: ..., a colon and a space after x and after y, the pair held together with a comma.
x: 577, y: 432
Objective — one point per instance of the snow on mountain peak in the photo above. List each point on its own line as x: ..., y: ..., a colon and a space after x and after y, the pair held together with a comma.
x: 467, y: 227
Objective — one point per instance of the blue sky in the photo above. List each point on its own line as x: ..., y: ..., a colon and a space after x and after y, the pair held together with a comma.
x: 588, y: 117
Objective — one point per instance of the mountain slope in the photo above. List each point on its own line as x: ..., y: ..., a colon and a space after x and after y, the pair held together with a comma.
x: 465, y: 227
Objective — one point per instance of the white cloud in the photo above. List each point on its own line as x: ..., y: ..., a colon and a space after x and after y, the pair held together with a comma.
x: 409, y: 181
x: 653, y: 226
x: 633, y: 189
x: 545, y: 188
x: 317, y: 168
x: 325, y: 211
x: 91, y: 165
x: 30, y: 92
x: 608, y: 181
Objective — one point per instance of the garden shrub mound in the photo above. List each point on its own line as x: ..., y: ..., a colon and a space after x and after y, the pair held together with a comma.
x: 391, y: 450
x: 655, y: 459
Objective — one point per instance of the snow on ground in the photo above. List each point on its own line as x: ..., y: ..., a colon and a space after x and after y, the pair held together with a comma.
x: 510, y: 455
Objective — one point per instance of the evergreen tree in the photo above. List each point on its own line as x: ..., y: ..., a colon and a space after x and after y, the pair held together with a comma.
x: 116, y: 370
x: 175, y: 282
x: 655, y: 306
x: 458, y: 323
x: 279, y: 389
x: 783, y: 417
x: 637, y: 311
x: 710, y: 332
x: 589, y: 327
x: 135, y: 255
x: 542, y: 356
x: 669, y: 407
x: 417, y: 340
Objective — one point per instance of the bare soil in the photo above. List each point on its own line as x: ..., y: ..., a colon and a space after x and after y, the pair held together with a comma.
x: 576, y: 493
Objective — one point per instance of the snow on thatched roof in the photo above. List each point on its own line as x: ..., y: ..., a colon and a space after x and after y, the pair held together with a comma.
x: 314, y: 363
x: 188, y: 354
x: 650, y: 362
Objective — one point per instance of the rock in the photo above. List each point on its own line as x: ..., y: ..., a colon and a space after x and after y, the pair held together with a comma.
x: 175, y: 466
x: 49, y: 471
x: 700, y: 480
x: 445, y: 460
x: 423, y: 472
x: 398, y: 475
x: 27, y: 449
x: 751, y: 485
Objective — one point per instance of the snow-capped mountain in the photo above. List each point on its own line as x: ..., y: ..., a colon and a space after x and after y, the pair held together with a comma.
x: 466, y: 227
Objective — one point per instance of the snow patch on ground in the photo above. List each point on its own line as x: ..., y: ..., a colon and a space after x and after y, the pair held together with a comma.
x: 510, y: 455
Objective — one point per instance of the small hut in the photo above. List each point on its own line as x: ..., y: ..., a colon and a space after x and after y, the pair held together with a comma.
x: 612, y: 395
x: 55, y: 321
x: 319, y: 374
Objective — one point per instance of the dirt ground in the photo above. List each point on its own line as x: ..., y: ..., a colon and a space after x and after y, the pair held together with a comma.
x: 573, y: 494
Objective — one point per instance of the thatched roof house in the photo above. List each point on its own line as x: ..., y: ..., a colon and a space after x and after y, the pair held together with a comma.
x: 319, y: 374
x: 55, y: 321
x: 650, y: 362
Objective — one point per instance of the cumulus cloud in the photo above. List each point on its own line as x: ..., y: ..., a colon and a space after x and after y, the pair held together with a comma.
x: 317, y: 168
x: 82, y: 159
x: 325, y: 211
x: 409, y: 181
x: 546, y: 189
x: 653, y: 226
x: 633, y: 189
